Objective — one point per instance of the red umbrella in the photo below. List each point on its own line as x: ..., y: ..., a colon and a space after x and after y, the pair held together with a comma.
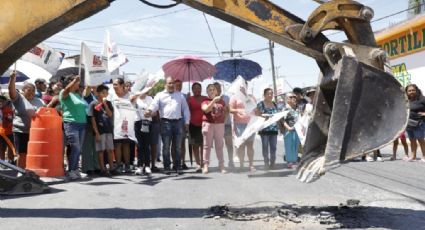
x: 189, y: 68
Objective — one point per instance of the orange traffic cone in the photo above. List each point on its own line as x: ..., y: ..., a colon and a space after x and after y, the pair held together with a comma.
x: 45, y: 144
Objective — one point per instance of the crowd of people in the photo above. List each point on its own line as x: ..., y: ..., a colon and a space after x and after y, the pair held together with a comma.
x: 166, y: 119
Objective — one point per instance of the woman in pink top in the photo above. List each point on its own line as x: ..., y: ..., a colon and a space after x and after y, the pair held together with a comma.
x: 240, y: 121
x: 195, y: 126
x: 213, y: 126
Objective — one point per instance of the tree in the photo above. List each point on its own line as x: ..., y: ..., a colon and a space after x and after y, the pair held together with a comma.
x: 158, y: 87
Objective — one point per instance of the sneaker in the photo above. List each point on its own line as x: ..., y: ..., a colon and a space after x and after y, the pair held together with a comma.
x: 231, y: 164
x: 289, y: 165
x: 127, y: 169
x: 205, y: 170
x: 422, y: 160
x: 369, y: 159
x: 148, y: 170
x: 81, y: 175
x: 379, y: 159
x: 104, y: 173
x: 139, y: 171
x: 409, y: 159
x: 223, y: 170
x: 184, y: 167
x: 155, y: 169
x: 118, y: 168
x: 167, y: 171
x: 252, y: 169
x: 178, y: 170
x: 198, y: 169
x: 72, y: 175
x: 236, y: 159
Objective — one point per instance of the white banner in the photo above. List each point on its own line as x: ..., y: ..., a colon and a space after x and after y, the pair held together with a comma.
x: 124, y: 119
x: 94, y: 67
x: 140, y: 82
x: 301, y: 126
x: 114, y: 56
x: 44, y: 56
x: 256, y: 124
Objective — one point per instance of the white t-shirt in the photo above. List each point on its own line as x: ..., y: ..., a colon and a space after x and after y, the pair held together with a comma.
x: 142, y: 105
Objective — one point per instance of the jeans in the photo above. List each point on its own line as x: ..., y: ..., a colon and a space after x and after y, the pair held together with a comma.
x: 269, y: 141
x: 171, y: 129
x: 74, y: 134
x: 144, y: 141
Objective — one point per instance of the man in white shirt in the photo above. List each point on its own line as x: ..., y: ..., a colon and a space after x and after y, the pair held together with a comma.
x: 178, y: 85
x: 172, y: 107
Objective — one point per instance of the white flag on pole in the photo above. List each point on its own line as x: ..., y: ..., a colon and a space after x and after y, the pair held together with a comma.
x: 44, y: 56
x: 114, y: 56
x: 239, y: 89
x: 94, y: 67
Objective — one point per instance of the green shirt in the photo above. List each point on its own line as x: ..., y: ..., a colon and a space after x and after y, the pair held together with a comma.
x: 74, y: 108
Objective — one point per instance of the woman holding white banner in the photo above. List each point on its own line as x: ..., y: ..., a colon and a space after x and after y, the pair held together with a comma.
x: 214, y: 110
x: 290, y: 136
x: 241, y: 117
x: 124, y: 119
x: 266, y: 109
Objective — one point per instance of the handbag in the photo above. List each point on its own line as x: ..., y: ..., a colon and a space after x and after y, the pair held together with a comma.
x: 413, y: 123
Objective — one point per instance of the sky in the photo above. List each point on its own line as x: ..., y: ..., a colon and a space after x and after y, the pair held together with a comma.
x: 150, y: 37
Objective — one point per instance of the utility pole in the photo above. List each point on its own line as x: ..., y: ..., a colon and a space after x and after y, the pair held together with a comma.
x: 232, y: 38
x: 271, y: 47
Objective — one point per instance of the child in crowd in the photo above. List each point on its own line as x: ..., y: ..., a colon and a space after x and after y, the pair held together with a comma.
x: 100, y: 113
x: 6, y: 123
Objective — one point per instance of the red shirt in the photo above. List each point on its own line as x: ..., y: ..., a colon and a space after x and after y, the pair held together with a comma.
x: 7, y: 121
x: 46, y: 98
x: 217, y: 113
x: 195, y: 110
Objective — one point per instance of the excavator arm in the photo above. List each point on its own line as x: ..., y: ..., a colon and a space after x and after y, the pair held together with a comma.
x: 359, y: 106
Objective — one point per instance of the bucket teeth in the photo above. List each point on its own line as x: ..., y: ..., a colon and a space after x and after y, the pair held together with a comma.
x: 358, y: 109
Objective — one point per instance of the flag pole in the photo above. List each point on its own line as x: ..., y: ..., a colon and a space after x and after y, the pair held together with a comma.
x: 81, y: 58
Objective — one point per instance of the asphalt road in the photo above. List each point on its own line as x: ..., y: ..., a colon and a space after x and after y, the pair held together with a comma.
x: 391, y: 195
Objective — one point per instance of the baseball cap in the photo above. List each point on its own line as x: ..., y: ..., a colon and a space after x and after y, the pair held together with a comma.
x: 311, y: 90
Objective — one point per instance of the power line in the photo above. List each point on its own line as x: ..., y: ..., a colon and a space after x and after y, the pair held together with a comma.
x: 134, y: 55
x: 127, y: 22
x: 155, y: 49
x: 142, y: 47
x: 254, y: 51
x: 154, y: 54
x: 150, y: 50
x: 212, y: 35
